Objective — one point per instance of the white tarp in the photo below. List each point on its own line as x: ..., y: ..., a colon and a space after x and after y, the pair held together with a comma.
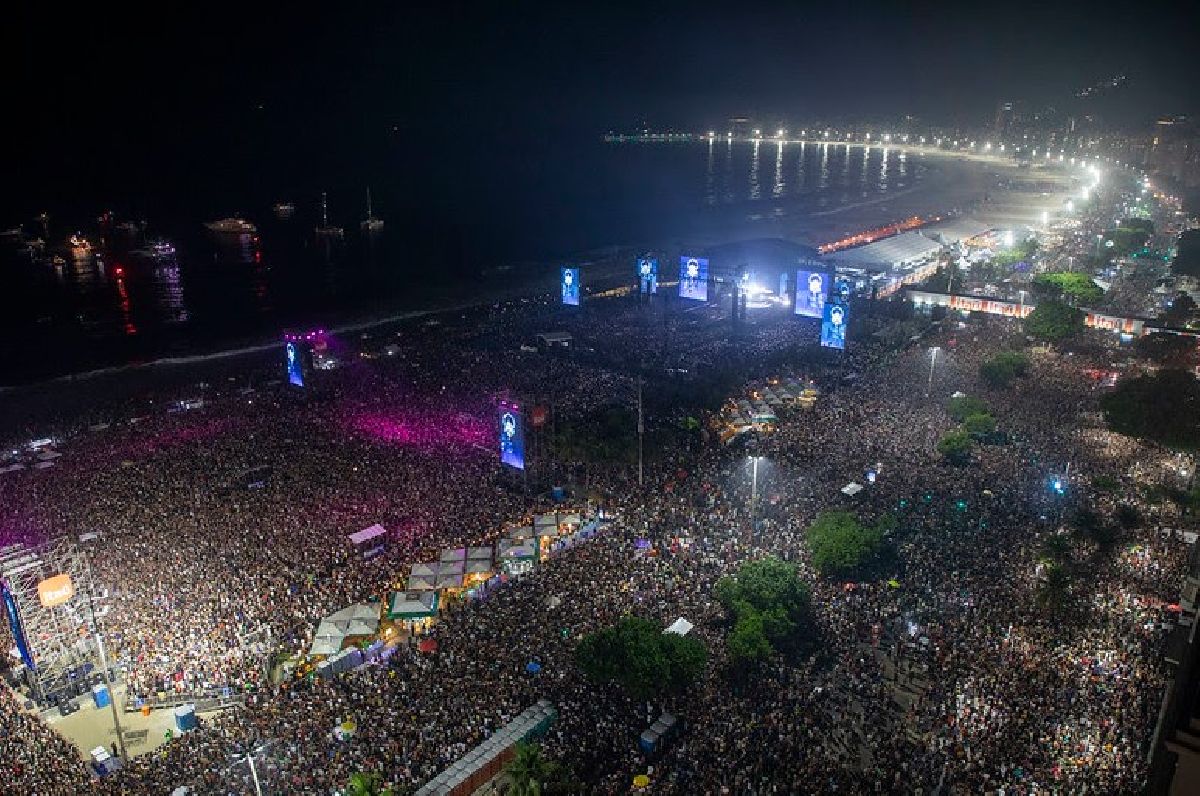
x: 680, y: 627
x: 851, y: 489
x: 367, y: 534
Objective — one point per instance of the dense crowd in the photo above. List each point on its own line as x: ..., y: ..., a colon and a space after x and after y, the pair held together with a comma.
x: 956, y: 677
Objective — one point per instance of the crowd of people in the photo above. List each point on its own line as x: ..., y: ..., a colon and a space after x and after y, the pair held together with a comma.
x: 956, y: 677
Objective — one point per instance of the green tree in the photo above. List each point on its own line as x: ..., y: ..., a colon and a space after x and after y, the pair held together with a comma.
x: 1187, y: 254
x: 980, y: 425
x: 772, y: 591
x: 1181, y: 312
x: 1053, y: 322
x: 366, y: 784
x: 1054, y: 589
x: 1072, y: 286
x: 529, y: 773
x: 1056, y: 547
x: 686, y: 659
x: 1003, y: 369
x: 747, y: 642
x: 1163, y: 407
x: 963, y: 407
x: 840, y: 543
x: 955, y: 447
x: 1163, y: 348
x: 638, y: 656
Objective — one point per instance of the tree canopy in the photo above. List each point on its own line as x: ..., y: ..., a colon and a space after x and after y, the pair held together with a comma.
x: 1003, y: 369
x: 769, y: 603
x: 955, y: 447
x: 1072, y: 286
x: 1053, y: 322
x: 1163, y: 407
x: 979, y: 425
x: 840, y: 543
x: 1187, y: 254
x: 638, y: 656
x: 1163, y: 348
x: 964, y: 406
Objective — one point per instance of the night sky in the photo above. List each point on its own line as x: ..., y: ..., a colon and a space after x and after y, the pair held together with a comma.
x: 106, y: 99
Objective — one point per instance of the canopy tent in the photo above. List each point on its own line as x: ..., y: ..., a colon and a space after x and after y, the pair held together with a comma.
x: 479, y: 567
x: 545, y: 520
x: 409, y: 605
x: 479, y: 554
x: 423, y: 577
x: 421, y: 584
x: 454, y: 555
x: 571, y: 519
x: 521, y: 532
x: 680, y: 627
x: 851, y: 489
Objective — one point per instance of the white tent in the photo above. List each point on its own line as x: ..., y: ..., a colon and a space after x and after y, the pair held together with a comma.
x: 680, y: 627
x: 851, y: 489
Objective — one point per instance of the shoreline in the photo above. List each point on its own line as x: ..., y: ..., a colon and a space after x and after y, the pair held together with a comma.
x: 945, y: 192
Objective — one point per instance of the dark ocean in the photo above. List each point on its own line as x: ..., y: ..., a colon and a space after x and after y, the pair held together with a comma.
x: 453, y: 217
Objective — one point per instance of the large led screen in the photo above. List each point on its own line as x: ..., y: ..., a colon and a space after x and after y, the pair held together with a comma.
x: 647, y: 268
x: 512, y: 437
x: 570, y: 286
x: 812, y: 293
x: 295, y: 365
x: 693, y: 278
x: 833, y: 325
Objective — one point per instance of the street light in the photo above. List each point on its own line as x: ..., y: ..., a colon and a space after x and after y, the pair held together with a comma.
x: 754, y: 460
x: 933, y: 353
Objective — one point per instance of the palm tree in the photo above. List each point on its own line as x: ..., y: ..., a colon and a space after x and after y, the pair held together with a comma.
x: 364, y: 784
x: 528, y: 773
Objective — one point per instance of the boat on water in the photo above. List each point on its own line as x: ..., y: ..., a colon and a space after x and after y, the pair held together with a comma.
x: 284, y: 210
x: 158, y: 249
x: 232, y: 226
x: 81, y: 247
x: 326, y: 230
x: 371, y: 223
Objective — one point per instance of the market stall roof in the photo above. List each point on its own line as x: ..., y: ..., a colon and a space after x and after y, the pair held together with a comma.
x: 547, y: 530
x: 541, y: 520
x: 521, y: 532
x: 453, y: 568
x: 366, y: 612
x: 479, y: 553
x: 518, y: 551
x: 422, y: 582
x: 479, y: 566
x: 454, y: 554
x: 572, y: 519
x: 902, y: 249
x: 450, y: 581
x: 425, y: 570
x: 412, y: 604
x: 955, y: 230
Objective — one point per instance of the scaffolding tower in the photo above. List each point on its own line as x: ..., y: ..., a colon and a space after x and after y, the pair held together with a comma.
x: 61, y: 637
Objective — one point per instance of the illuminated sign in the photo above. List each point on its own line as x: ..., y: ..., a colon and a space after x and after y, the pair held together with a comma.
x: 812, y: 293
x: 693, y: 278
x: 512, y: 436
x: 295, y: 367
x: 569, y: 283
x: 647, y: 269
x: 833, y: 326
x: 56, y: 590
